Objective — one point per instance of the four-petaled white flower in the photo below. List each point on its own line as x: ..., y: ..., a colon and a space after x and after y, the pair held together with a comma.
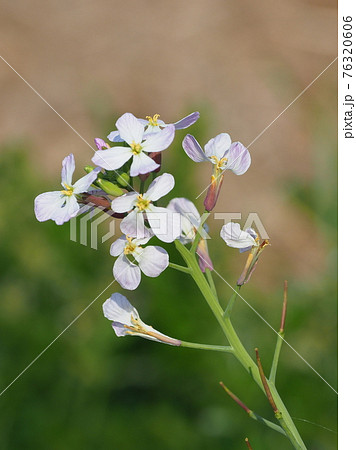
x: 151, y: 260
x: 164, y: 223
x: 237, y: 238
x: 61, y: 206
x: 132, y: 132
x: 126, y: 321
x: 154, y: 125
x: 221, y: 152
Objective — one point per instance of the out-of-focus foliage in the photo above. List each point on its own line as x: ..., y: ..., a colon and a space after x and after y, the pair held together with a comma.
x: 92, y: 390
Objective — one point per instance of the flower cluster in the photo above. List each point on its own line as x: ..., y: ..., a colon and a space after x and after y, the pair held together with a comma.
x: 116, y: 184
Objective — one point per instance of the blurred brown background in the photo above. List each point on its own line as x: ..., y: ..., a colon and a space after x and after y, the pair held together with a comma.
x: 243, y: 61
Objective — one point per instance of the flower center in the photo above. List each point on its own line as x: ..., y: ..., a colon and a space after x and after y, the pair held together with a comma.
x: 68, y: 190
x: 130, y: 246
x: 219, y: 163
x: 142, y: 203
x: 136, y: 148
x: 152, y: 121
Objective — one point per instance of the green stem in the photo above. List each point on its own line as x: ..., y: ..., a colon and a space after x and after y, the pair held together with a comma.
x: 238, y: 349
x: 216, y: 348
x: 211, y: 282
x: 197, y: 238
x: 180, y: 268
x: 230, y: 305
x: 277, y: 351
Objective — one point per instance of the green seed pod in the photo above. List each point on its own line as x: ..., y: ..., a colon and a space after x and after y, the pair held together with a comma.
x: 123, y: 179
x: 109, y: 187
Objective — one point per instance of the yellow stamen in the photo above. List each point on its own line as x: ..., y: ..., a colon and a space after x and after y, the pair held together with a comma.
x: 68, y: 190
x: 136, y: 148
x: 138, y: 328
x: 130, y: 247
x: 152, y: 121
x: 219, y: 163
x: 142, y: 203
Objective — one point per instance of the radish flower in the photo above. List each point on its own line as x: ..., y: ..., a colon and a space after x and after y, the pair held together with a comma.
x: 151, y: 260
x: 132, y: 132
x: 224, y: 155
x: 237, y: 238
x: 165, y: 224
x: 221, y: 152
x: 126, y: 321
x: 153, y: 124
x: 61, y: 206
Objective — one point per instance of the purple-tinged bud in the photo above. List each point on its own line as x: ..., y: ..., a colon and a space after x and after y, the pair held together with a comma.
x: 213, y: 192
x: 204, y: 258
x: 100, y: 144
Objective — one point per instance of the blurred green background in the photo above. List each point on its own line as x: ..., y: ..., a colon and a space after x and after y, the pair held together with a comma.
x: 240, y: 64
x: 92, y: 390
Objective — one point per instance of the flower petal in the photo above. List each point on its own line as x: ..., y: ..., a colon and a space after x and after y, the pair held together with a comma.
x: 126, y: 273
x: 112, y: 158
x: 187, y: 121
x: 152, y: 260
x: 239, y: 158
x: 235, y: 237
x: 142, y: 164
x: 157, y: 142
x: 133, y: 225
x: 160, y: 187
x: 164, y: 223
x: 68, y: 166
x: 118, y: 247
x: 114, y: 136
x: 218, y: 145
x: 47, y: 204
x: 124, y: 203
x: 130, y: 128
x: 189, y: 217
x: 119, y: 309
x: 193, y: 149
x: 120, y: 330
x: 69, y: 209
x: 83, y: 184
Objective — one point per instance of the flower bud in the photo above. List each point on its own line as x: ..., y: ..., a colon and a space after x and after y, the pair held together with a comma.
x: 123, y: 179
x: 109, y: 188
x: 100, y: 143
x: 213, y: 192
x: 204, y: 258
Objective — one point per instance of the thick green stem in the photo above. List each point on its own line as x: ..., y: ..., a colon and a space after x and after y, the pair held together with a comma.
x: 238, y: 349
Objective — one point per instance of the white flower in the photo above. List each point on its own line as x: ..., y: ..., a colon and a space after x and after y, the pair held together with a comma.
x: 61, y: 206
x: 164, y: 223
x: 126, y: 321
x: 237, y: 238
x: 154, y: 125
x: 131, y: 130
x: 189, y: 218
x: 151, y: 260
x: 221, y: 152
